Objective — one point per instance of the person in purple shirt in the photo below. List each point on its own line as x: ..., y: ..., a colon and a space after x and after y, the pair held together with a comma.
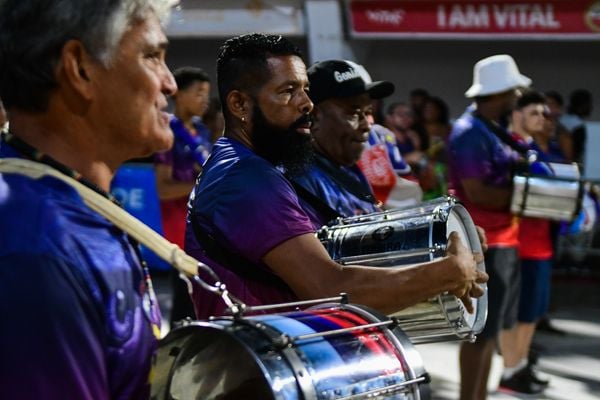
x: 245, y: 220
x: 177, y: 168
x: 85, y: 90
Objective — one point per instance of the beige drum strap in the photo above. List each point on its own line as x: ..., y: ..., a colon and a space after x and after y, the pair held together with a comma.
x: 166, y: 250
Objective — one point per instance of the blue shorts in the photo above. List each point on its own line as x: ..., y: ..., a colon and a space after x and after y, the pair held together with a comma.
x: 535, y: 289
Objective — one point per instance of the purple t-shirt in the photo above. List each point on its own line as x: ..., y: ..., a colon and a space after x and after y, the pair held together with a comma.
x: 249, y: 208
x: 76, y: 312
x: 475, y: 152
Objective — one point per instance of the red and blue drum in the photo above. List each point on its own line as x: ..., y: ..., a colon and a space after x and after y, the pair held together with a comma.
x: 330, y: 351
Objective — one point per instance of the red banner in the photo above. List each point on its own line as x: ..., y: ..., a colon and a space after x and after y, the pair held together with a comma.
x: 472, y: 19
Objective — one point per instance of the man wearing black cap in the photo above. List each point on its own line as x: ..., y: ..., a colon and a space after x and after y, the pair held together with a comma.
x: 245, y: 219
x: 341, y: 92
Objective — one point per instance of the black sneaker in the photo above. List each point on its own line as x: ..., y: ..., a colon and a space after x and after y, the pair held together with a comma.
x: 545, y: 325
x: 520, y: 383
x: 535, y: 378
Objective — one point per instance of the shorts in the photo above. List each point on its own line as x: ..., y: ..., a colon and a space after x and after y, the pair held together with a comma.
x: 504, y: 289
x: 535, y: 289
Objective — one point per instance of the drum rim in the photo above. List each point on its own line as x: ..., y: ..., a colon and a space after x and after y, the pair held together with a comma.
x: 475, y: 245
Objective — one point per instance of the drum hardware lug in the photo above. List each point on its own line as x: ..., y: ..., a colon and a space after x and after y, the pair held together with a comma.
x: 182, y: 322
x: 427, y: 378
x: 283, y: 341
x: 344, y: 298
x: 471, y: 338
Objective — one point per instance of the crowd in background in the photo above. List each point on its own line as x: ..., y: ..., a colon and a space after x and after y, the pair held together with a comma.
x: 422, y: 124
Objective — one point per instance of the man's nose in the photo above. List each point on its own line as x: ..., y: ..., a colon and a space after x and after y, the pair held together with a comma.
x: 169, y: 86
x: 306, y: 105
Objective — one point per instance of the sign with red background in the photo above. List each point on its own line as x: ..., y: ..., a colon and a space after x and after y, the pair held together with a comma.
x: 465, y: 19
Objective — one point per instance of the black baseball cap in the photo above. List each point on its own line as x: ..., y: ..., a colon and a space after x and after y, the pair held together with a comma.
x: 341, y: 78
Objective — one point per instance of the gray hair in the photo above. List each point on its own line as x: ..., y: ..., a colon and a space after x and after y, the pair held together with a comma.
x: 33, y: 33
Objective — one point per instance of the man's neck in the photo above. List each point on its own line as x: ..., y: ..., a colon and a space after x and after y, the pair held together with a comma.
x: 65, y: 141
x: 489, y: 112
x: 239, y: 135
x: 186, y: 118
x: 524, y: 134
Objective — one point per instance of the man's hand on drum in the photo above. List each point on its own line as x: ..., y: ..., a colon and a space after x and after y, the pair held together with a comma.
x: 468, y: 276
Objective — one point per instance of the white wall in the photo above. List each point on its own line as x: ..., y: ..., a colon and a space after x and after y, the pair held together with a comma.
x: 445, y: 67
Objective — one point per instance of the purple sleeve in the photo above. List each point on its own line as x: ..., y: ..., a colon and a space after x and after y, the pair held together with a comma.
x: 259, y: 212
x: 52, y: 343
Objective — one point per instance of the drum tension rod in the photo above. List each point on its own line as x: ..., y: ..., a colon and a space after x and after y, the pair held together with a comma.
x: 285, y: 340
x: 341, y: 299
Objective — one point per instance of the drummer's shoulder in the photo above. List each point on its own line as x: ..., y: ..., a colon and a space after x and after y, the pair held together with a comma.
x: 465, y: 127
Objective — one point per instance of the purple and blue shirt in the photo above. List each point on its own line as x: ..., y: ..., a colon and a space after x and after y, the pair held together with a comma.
x: 475, y: 152
x: 248, y: 207
x: 185, y: 158
x: 79, y: 320
x: 320, y: 183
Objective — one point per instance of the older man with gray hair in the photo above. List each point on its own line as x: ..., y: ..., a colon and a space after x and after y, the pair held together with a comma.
x: 85, y: 84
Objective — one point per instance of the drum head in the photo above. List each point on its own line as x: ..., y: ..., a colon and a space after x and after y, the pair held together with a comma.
x: 460, y: 221
x: 202, y: 361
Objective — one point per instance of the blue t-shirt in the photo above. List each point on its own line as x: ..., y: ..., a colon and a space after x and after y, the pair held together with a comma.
x: 74, y: 305
x: 249, y: 208
x: 335, y: 195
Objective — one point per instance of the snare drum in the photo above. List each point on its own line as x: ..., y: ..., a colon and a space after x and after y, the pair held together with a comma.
x: 557, y: 197
x: 409, y: 236
x: 330, y: 351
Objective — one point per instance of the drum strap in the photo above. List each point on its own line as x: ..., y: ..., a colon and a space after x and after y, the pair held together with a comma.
x: 502, y: 135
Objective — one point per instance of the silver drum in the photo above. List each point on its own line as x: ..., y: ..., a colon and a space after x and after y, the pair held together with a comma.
x: 409, y: 236
x: 329, y: 351
x: 556, y: 197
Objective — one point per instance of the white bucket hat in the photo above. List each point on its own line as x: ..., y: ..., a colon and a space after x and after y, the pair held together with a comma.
x: 496, y: 74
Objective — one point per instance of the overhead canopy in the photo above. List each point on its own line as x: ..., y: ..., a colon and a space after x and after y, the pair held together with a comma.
x: 224, y: 18
x: 475, y: 19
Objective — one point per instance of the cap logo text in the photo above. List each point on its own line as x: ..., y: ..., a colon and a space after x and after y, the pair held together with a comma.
x: 346, y: 76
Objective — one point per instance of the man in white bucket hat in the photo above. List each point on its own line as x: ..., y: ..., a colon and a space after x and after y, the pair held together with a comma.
x: 496, y: 74
x: 480, y: 164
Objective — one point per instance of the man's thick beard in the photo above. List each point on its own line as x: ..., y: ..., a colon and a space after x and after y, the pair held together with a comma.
x: 284, y: 148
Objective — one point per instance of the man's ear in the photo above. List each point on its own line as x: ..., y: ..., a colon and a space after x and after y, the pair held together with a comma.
x: 240, y: 105
x: 75, y: 69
